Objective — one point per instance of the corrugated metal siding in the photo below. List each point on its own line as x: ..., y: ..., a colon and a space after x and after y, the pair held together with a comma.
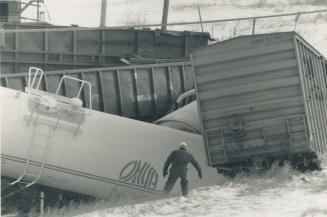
x: 312, y: 72
x: 70, y: 49
x: 250, y: 97
x: 142, y: 91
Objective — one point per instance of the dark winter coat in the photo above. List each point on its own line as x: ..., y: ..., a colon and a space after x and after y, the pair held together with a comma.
x: 179, y: 160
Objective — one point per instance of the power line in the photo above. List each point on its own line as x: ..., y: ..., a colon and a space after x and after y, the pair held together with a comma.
x: 168, y: 24
x: 188, y: 10
x: 245, y: 18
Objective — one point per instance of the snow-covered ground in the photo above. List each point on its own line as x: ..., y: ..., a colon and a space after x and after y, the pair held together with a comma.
x: 281, y: 192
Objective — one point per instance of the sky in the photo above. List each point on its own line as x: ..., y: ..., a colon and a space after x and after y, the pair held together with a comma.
x: 119, y: 12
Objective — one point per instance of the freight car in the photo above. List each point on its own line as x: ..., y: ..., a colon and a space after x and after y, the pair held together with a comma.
x: 143, y: 92
x: 58, y: 47
x: 261, y: 98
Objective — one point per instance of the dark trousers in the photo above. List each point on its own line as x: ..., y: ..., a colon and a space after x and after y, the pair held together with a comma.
x: 172, y: 178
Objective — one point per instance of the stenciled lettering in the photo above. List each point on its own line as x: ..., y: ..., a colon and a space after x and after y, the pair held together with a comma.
x: 139, y: 173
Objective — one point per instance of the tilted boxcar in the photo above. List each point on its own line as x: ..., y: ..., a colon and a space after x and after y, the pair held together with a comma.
x: 143, y: 92
x: 59, y: 48
x: 261, y: 97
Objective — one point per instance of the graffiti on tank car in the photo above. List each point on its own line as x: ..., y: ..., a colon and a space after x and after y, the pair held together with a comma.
x: 139, y: 173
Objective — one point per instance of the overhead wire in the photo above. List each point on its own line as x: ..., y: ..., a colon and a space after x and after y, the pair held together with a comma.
x: 170, y: 24
x: 183, y: 10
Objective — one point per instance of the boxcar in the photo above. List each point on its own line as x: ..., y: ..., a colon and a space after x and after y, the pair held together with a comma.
x: 261, y: 97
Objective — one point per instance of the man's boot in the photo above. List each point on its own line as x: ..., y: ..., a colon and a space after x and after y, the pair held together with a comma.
x: 184, y: 185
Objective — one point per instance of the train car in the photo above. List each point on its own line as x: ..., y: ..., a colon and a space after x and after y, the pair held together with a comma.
x: 261, y: 97
x: 143, y: 92
x: 52, y: 140
x: 60, y: 48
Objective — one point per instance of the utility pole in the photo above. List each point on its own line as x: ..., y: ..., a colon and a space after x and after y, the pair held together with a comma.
x: 103, y: 13
x: 165, y: 15
x: 253, y: 26
x: 38, y: 11
x: 37, y: 5
x: 200, y: 18
x: 42, y: 204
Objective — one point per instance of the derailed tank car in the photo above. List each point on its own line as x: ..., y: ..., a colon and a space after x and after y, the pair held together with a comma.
x: 262, y: 98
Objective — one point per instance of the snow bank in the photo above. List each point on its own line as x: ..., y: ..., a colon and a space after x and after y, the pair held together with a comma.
x: 279, y: 192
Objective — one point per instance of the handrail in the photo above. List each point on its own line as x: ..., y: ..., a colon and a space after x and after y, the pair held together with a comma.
x: 80, y: 89
x: 37, y: 71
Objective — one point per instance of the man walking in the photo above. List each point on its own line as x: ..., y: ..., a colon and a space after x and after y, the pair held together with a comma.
x: 179, y: 160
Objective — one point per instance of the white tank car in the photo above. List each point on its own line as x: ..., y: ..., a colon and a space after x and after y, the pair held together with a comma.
x: 50, y: 140
x: 185, y: 118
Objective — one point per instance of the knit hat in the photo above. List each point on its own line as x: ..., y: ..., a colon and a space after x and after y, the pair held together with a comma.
x: 182, y: 145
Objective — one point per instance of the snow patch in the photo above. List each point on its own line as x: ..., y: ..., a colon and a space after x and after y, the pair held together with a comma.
x: 281, y: 191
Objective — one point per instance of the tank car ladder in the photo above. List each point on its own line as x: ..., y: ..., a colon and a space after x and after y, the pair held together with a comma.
x: 33, y: 159
x: 26, y: 172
